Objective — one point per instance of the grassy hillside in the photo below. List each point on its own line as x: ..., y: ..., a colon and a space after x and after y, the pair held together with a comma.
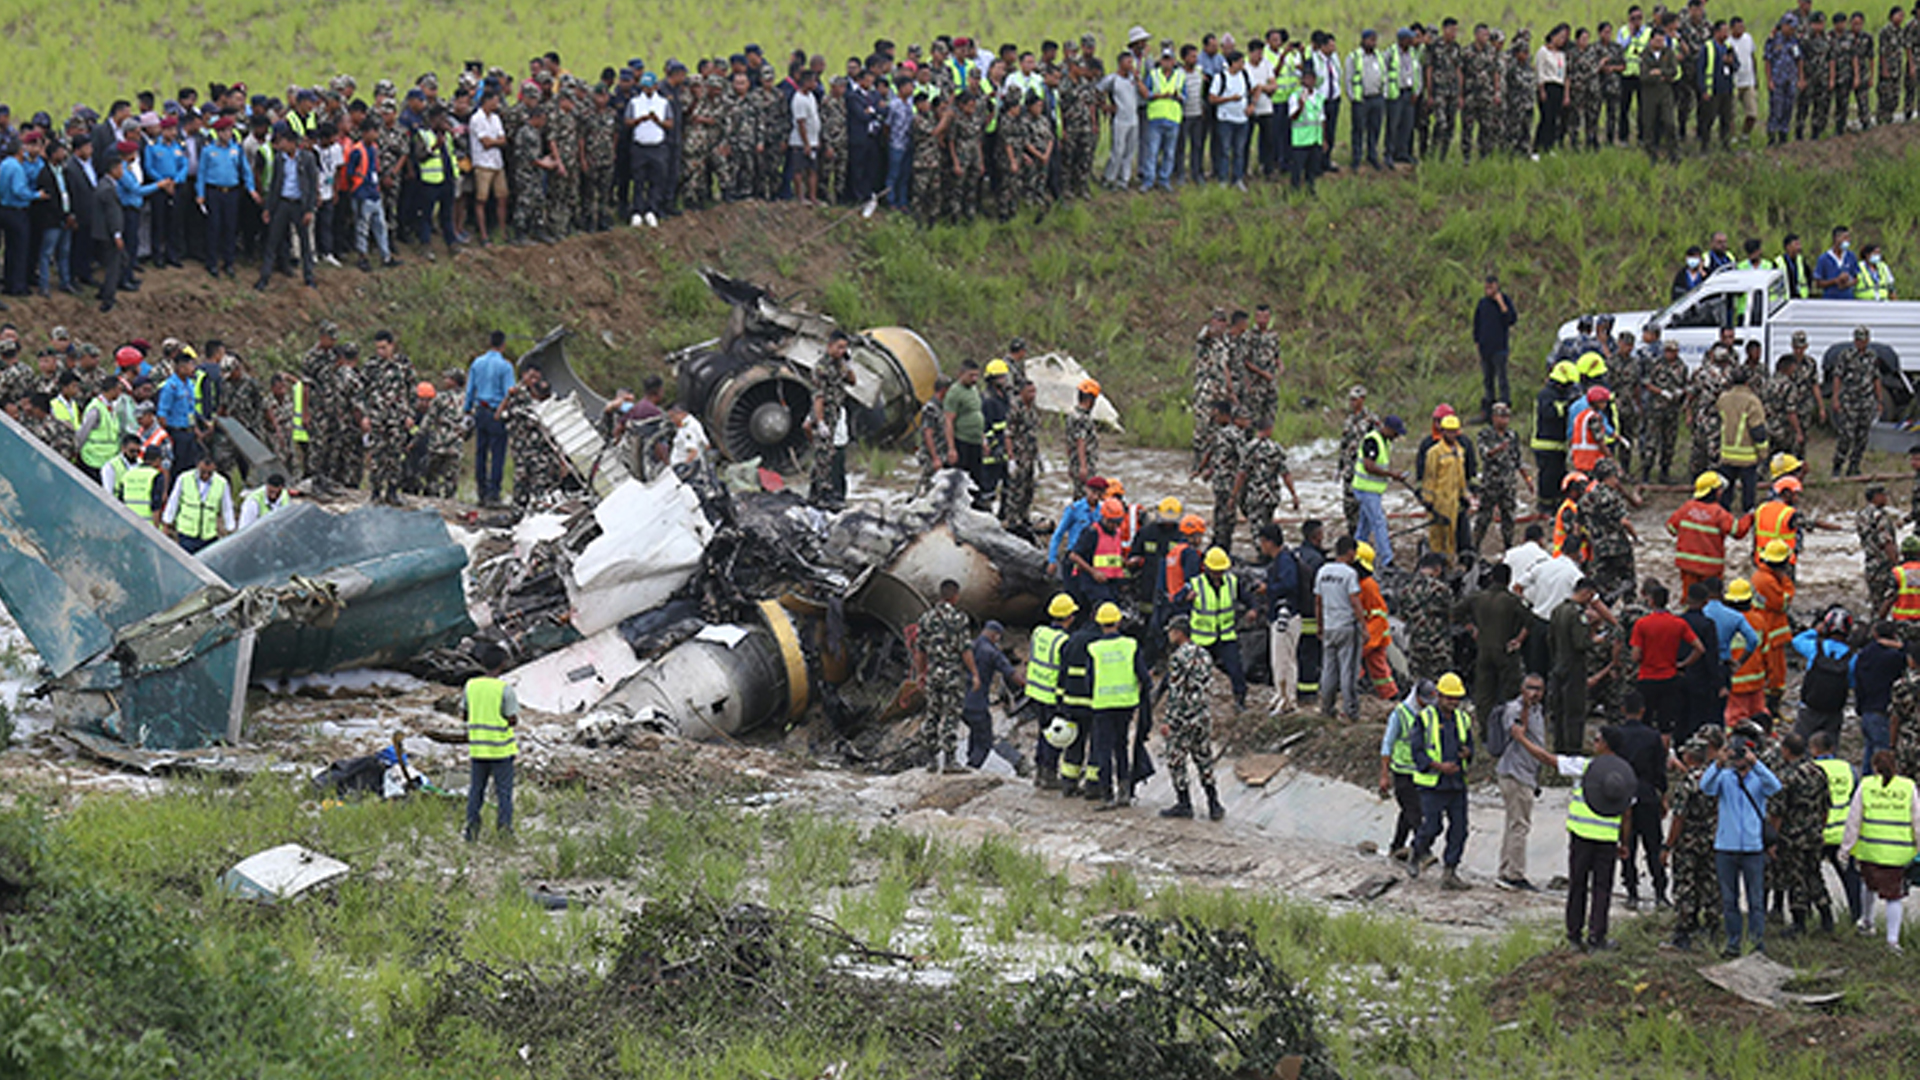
x: 99, y: 49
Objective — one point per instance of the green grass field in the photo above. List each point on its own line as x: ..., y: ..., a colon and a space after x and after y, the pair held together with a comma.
x: 99, y: 50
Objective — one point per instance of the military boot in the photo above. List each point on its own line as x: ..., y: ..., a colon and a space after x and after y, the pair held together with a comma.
x: 1450, y: 880
x: 1182, y: 806
x: 1214, y: 810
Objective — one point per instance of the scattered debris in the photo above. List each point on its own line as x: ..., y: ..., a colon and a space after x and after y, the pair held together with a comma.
x: 1056, y: 378
x: 1760, y: 979
x: 1257, y: 770
x: 281, y: 873
x: 1372, y: 887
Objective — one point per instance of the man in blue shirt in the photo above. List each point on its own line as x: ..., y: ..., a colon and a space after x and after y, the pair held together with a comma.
x: 176, y: 410
x: 988, y: 661
x: 133, y: 196
x: 1074, y: 520
x: 224, y: 174
x: 17, y: 192
x: 1743, y: 785
x: 167, y: 160
x: 489, y: 378
x: 1837, y: 267
x: 1729, y: 625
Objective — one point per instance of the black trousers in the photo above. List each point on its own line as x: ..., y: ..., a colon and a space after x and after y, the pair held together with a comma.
x: 281, y: 226
x: 1406, y: 793
x: 1644, y: 837
x: 1493, y: 381
x: 1666, y: 699
x: 111, y: 258
x: 1589, y: 888
x: 19, y: 253
x: 1547, y: 135
x: 1111, y: 743
x: 223, y: 226
x: 80, y: 256
x: 969, y: 454
x: 651, y: 167
x: 1629, y: 95
x: 1550, y: 466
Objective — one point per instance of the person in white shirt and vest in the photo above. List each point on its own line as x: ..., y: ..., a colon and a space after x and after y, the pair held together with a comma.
x: 140, y: 486
x: 1603, y: 792
x: 1442, y: 750
x: 1882, y: 823
x: 261, y: 501
x: 200, y: 510
x: 492, y: 713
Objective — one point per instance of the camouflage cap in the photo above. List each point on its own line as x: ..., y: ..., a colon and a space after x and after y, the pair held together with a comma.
x: 347, y: 350
x: 9, y: 346
x: 1501, y: 408
x: 1799, y: 337
x: 1861, y: 333
x: 59, y: 333
x: 383, y: 88
x: 429, y: 81
x: 88, y: 348
x: 1356, y: 392
x: 328, y: 328
x: 1605, y: 468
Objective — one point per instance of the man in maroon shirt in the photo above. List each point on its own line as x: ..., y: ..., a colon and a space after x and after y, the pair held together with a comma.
x: 1657, y: 640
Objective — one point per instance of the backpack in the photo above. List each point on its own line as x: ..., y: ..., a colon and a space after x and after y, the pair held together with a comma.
x: 1825, y: 687
x: 1500, y: 731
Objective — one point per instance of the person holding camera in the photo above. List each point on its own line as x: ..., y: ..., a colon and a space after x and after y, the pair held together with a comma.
x: 1882, y: 825
x: 1741, y: 841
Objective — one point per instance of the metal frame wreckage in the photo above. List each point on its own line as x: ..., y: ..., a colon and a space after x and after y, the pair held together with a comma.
x: 686, y: 600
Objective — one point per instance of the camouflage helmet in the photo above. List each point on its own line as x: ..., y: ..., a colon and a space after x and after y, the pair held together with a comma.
x: 383, y: 88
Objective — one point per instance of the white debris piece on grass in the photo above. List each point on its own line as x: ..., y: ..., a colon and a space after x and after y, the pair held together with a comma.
x: 281, y: 873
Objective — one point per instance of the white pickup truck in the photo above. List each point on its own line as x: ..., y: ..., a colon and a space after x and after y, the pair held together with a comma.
x: 1694, y: 320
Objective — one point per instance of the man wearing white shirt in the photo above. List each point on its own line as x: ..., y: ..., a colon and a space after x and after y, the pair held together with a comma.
x: 1328, y: 70
x: 1547, y: 581
x: 1746, y: 93
x: 486, y: 138
x: 649, y: 119
x: 1526, y: 556
x: 1260, y: 72
x: 689, y: 439
x: 1228, y: 93
x: 261, y: 501
x: 200, y: 509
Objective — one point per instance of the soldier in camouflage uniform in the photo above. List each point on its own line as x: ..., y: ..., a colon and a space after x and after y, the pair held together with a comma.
x: 1023, y: 443
x: 437, y: 432
x: 1426, y: 605
x: 1603, y: 512
x: 1704, y: 388
x: 1263, y: 471
x: 1864, y: 55
x: 1502, y: 472
x: 1444, y: 58
x: 1666, y: 396
x: 563, y: 194
x: 702, y: 134
x: 600, y: 140
x: 932, y: 425
x: 16, y: 378
x: 1816, y: 67
x: 930, y: 123
x: 1583, y: 90
x: 740, y: 142
x: 1912, y: 83
x: 1689, y: 42
x: 1031, y: 140
x: 33, y: 412
x: 1610, y: 654
x: 1787, y: 424
x: 1212, y: 379
x: 773, y: 120
x: 1481, y: 85
x: 1844, y: 46
x: 1696, y: 818
x: 340, y: 408
x: 966, y: 155
x: 1856, y: 401
x: 833, y: 141
x: 1189, y: 723
x: 242, y: 398
x: 1878, y: 529
x: 944, y: 643
x: 1904, y: 710
x: 1078, y: 132
x: 1260, y: 368
x: 1802, y: 809
x: 1226, y: 447
x: 827, y: 488
x: 529, y: 180
x: 1083, y: 439
x: 1521, y: 90
x: 1360, y: 421
x: 388, y: 386
x: 537, y: 466
x: 1892, y: 45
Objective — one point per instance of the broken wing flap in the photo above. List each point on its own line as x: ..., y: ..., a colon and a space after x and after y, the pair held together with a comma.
x: 216, y: 615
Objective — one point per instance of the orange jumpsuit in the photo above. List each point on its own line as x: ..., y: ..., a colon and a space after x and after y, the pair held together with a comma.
x: 1373, y: 655
x: 1700, y: 528
x: 1772, y: 592
x: 1747, y: 696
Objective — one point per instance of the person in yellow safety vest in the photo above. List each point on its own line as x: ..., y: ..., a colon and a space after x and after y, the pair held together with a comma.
x: 1079, y: 776
x: 492, y: 713
x: 200, y: 510
x: 1396, y: 765
x: 1568, y: 538
x: 1214, y: 619
x: 1882, y: 823
x: 1442, y: 750
x: 1099, y: 557
x: 117, y: 465
x: 1841, y: 782
x: 1120, y: 680
x: 65, y: 406
x: 1791, y: 263
x: 1046, y: 649
x: 1603, y: 791
x: 1779, y: 518
x: 1904, y: 605
x: 1165, y: 85
x: 1876, y: 277
x: 1747, y: 665
x: 261, y: 501
x: 1744, y: 438
x: 139, y: 486
x: 98, y: 432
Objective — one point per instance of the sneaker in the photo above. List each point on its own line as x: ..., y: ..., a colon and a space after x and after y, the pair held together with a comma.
x: 636, y: 221
x: 1519, y: 884
x: 1452, y: 882
x: 1603, y: 945
x: 1729, y: 952
x: 652, y: 222
x: 330, y: 261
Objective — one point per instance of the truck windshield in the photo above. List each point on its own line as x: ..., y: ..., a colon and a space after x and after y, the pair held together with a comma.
x: 1709, y: 312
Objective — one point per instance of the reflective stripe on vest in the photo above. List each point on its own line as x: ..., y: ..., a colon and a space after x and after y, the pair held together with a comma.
x: 1802, y: 280
x: 261, y: 504
x: 1176, y: 569
x: 120, y: 468
x: 156, y: 436
x: 1736, y: 448
x: 1109, y: 556
x: 1751, y: 672
x: 1362, y: 479
x: 434, y: 169
x: 489, y: 736
x: 1906, y: 602
x: 1773, y: 520
x: 1839, y: 798
x: 136, y: 489
x: 1043, y: 667
x: 1636, y: 45
x: 1586, y: 447
x: 103, y: 442
x: 1212, y: 618
x: 198, y: 518
x: 1587, y: 824
x: 299, y: 411
x: 1307, y: 123
x: 1115, y: 683
x: 1560, y: 526
x: 1430, y: 719
x: 1872, y: 286
x: 1696, y: 547
x: 1886, y: 822
x: 1400, y: 752
x: 1159, y: 82
x: 199, y: 395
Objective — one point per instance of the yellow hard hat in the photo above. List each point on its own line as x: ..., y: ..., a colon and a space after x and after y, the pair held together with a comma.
x: 1591, y: 366
x: 1108, y: 615
x: 1777, y: 550
x: 1217, y: 559
x: 1450, y: 423
x: 996, y: 367
x: 1707, y: 483
x: 1739, y: 590
x: 1564, y: 372
x: 1450, y: 685
x: 1363, y: 554
x: 1061, y: 606
x: 1170, y: 507
x: 1784, y: 463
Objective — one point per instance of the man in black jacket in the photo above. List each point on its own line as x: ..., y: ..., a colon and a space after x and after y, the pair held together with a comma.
x: 51, y: 217
x: 108, y: 221
x: 80, y: 169
x: 1493, y: 319
x: 292, y: 193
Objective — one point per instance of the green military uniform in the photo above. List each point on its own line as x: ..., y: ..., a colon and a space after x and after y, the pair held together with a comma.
x: 1444, y: 73
x: 1802, y: 807
x: 1816, y: 66
x: 740, y: 134
x: 1844, y: 48
x: 1878, y: 529
x: 1856, y: 372
x: 773, y: 120
x: 1583, y: 87
x: 1212, y: 381
x: 1023, y: 441
x: 1522, y: 88
x: 1704, y: 388
x: 1083, y: 433
x: 1264, y: 463
x: 1259, y: 354
x: 833, y: 147
x: 1426, y: 604
x: 600, y: 134
x: 439, y: 432
x: 537, y: 467
x: 1482, y: 80
x: 1696, y: 888
x: 933, y: 417
x: 1905, y: 708
x: 388, y: 388
x: 1189, y: 721
x: 1224, y: 456
x: 944, y: 637
x: 529, y: 183
x: 1603, y: 512
x: 563, y: 192
x: 1355, y: 428
x: 966, y: 136
x: 830, y: 394
x: 1498, y: 455
x: 929, y: 178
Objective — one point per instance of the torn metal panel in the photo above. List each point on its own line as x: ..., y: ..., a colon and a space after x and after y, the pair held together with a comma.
x: 397, y: 573
x: 257, y: 459
x: 653, y: 538
x: 281, y: 873
x: 577, y: 676
x: 573, y: 432
x: 726, y: 681
x: 1056, y: 379
x: 549, y: 355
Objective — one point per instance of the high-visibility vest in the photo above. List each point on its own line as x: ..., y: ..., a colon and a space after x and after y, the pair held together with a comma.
x: 1159, y: 82
x: 1886, y: 822
x: 1587, y: 824
x: 1389, y: 73
x: 1308, y: 122
x: 1568, y: 508
x: 156, y: 436
x: 65, y: 411
x: 1115, y: 683
x: 1873, y: 285
x: 434, y: 169
x: 302, y: 125
x: 198, y: 518
x: 1430, y: 719
x: 136, y: 489
x: 1400, y: 752
x: 1736, y: 445
x: 299, y: 411
x: 1773, y: 520
x: 1588, y: 445
x: 1906, y: 602
x: 1840, y: 786
x: 1212, y: 618
x: 103, y: 442
x: 1362, y: 479
x: 1636, y: 45
x: 1750, y: 672
x: 1700, y: 546
x: 354, y: 159
x: 1043, y: 667
x: 264, y: 506
x: 120, y: 466
x: 199, y: 393
x: 1109, y: 556
x: 1176, y: 569
x: 1800, y: 284
x: 489, y: 736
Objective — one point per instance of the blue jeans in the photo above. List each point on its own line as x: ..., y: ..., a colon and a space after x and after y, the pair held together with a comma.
x: 1372, y: 529
x: 1878, y: 734
x: 370, y: 222
x: 898, y: 161
x: 1436, y: 803
x: 1162, y: 137
x: 1231, y: 164
x: 489, y: 451
x: 500, y: 771
x: 1736, y: 868
x: 55, y: 246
